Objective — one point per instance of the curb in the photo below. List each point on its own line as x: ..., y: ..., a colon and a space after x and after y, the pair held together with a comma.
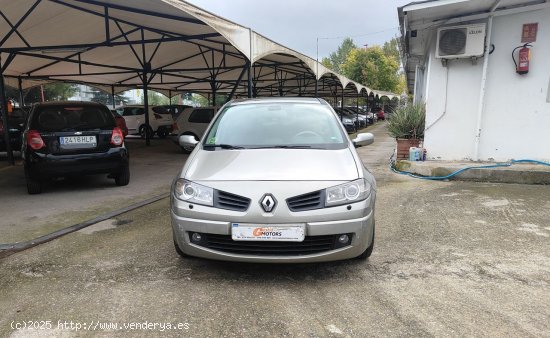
x: 519, y: 174
x: 11, y: 248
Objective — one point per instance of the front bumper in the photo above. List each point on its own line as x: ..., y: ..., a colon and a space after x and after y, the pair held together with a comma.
x: 359, y: 222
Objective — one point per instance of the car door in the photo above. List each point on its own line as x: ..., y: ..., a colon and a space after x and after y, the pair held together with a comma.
x: 133, y: 117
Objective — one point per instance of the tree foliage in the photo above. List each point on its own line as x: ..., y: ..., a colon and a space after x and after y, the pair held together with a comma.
x: 377, y: 67
x: 52, y: 92
x: 373, y: 68
x: 336, y: 60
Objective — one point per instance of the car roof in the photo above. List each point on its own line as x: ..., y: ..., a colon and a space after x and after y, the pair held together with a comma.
x: 268, y: 100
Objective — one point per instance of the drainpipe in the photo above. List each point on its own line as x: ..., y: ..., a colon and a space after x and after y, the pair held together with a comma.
x: 482, y: 91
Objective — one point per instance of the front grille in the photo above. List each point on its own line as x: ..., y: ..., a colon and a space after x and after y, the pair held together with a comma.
x: 309, y: 201
x: 310, y: 245
x: 225, y: 200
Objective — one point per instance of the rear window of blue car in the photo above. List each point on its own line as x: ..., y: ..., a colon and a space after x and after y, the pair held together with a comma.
x: 71, y: 117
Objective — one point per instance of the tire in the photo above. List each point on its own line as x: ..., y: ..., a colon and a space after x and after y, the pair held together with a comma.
x: 366, y: 254
x: 123, y: 178
x: 142, y: 131
x: 34, y: 186
x: 162, y: 132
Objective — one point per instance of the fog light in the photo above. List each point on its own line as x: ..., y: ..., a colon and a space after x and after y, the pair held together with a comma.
x: 196, y: 237
x: 343, y: 239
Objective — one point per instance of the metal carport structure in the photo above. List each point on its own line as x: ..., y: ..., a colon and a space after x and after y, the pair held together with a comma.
x: 170, y: 46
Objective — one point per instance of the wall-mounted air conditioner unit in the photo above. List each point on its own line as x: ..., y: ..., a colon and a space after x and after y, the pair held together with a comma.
x: 457, y: 42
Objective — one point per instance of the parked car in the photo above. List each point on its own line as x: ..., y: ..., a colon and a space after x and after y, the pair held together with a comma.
x: 16, y: 124
x: 357, y: 113
x: 72, y: 139
x: 347, y: 121
x: 120, y: 122
x: 160, y: 120
x: 176, y: 109
x: 274, y: 180
x: 193, y: 121
x: 379, y: 113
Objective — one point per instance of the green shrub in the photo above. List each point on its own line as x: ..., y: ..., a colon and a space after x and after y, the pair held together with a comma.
x: 408, y: 121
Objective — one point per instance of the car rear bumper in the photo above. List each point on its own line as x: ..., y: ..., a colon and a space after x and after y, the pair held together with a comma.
x: 361, y: 230
x: 41, y: 166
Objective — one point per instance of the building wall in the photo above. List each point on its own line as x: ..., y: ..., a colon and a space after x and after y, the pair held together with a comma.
x: 516, y: 116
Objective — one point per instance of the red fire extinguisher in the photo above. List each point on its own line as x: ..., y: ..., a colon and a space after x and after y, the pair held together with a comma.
x: 524, y: 57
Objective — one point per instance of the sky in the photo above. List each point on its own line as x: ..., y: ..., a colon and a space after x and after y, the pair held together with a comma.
x: 298, y: 23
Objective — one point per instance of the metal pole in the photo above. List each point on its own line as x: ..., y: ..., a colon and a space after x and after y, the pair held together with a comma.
x: 4, y: 109
x: 170, y: 98
x: 213, y: 86
x: 146, y: 106
x: 21, y: 96
x: 249, y: 79
x: 113, y: 95
x: 357, y: 107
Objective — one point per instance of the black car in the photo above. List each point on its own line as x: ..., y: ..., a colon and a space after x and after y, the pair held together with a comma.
x: 16, y: 123
x: 72, y: 139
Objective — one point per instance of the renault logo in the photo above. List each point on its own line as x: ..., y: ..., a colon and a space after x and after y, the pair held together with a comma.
x: 268, y: 202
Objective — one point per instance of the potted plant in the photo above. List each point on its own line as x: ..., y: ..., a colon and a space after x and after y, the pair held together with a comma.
x: 407, y: 126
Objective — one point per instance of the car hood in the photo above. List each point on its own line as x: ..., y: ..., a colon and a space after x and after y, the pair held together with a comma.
x: 272, y: 165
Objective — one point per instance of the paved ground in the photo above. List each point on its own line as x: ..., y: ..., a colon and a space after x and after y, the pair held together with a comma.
x: 451, y: 259
x: 68, y: 202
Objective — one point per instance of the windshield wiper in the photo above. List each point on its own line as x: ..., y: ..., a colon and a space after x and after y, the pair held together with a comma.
x: 281, y: 146
x: 224, y: 146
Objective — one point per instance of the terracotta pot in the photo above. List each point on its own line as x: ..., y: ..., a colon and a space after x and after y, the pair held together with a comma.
x: 403, y: 146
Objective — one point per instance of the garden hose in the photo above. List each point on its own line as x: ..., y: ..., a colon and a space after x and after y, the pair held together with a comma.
x: 446, y: 177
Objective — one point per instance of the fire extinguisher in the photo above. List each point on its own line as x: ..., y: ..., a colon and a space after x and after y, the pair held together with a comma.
x: 524, y: 57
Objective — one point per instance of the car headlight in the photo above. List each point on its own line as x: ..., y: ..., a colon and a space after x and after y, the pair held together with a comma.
x: 346, y: 120
x: 350, y: 192
x: 194, y: 193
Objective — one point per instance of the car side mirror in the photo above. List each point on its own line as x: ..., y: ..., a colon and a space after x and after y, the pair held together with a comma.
x: 363, y: 139
x: 188, y: 141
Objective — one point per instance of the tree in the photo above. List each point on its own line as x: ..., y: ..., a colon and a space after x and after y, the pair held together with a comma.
x: 52, y: 92
x: 391, y: 49
x: 155, y: 99
x: 105, y: 98
x: 373, y: 68
x: 337, y: 59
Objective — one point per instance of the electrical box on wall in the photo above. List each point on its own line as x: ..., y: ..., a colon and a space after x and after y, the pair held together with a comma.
x: 458, y: 42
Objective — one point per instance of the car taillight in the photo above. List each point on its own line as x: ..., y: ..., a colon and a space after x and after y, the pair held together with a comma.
x: 117, y: 137
x: 34, y: 140
x: 175, y: 127
x: 157, y: 116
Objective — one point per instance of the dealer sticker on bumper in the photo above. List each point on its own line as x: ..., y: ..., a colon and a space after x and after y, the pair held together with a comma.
x: 249, y: 232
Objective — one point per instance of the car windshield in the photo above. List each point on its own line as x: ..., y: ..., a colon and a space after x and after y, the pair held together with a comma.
x: 276, y: 125
x: 73, y: 117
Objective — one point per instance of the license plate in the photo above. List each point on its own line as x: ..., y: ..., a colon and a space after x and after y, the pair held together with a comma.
x: 250, y: 232
x: 78, y: 141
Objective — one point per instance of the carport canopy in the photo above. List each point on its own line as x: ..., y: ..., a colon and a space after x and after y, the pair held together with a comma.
x: 170, y: 46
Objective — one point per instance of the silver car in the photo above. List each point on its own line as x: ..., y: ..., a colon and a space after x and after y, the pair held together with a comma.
x: 274, y: 180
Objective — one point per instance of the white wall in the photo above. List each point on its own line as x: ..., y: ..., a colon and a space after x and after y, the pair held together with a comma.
x: 516, y: 114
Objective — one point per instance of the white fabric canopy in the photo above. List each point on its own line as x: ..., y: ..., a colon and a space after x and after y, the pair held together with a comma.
x: 109, y: 43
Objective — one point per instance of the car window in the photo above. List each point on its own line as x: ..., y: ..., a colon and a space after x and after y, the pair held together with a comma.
x: 201, y: 115
x: 133, y: 111
x: 73, y: 117
x: 160, y: 110
x: 277, y: 124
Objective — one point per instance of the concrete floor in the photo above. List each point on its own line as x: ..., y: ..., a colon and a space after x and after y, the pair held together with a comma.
x: 67, y: 202
x: 451, y: 259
